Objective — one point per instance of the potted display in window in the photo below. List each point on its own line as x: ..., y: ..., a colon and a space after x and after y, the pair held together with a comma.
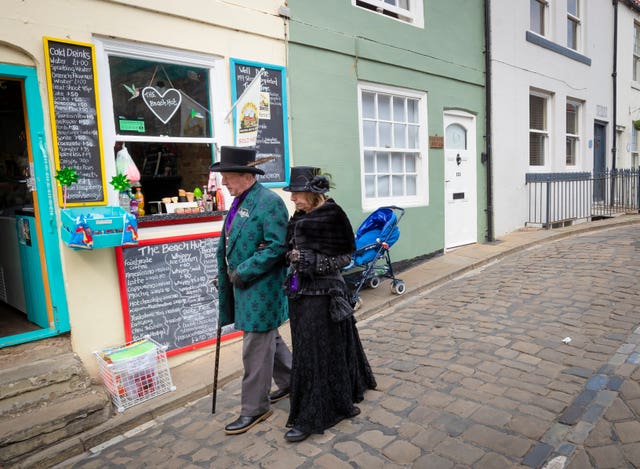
x: 121, y: 183
x: 66, y: 177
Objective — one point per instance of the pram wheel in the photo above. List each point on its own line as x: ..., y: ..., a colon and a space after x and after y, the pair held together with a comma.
x: 398, y: 287
x: 374, y: 282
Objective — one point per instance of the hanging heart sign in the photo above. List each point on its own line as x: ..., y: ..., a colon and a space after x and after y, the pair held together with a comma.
x: 163, y: 105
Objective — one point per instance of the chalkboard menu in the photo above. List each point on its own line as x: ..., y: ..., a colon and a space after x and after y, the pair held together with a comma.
x: 167, y: 292
x: 272, y: 124
x: 75, y: 117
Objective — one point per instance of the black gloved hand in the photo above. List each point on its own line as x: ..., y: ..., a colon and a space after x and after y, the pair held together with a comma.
x: 236, y: 281
x: 293, y: 256
x: 307, y: 260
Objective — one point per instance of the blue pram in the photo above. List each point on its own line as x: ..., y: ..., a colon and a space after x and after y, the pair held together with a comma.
x: 371, y: 261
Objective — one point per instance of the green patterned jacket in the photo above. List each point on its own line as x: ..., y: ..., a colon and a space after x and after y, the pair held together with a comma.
x: 255, y: 249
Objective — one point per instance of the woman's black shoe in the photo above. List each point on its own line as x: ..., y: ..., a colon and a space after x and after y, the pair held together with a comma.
x: 294, y: 435
x: 278, y: 395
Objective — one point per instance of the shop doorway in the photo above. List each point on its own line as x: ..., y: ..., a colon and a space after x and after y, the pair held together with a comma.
x: 31, y: 306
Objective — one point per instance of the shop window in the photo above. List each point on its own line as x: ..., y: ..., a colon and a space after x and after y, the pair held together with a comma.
x: 161, y: 110
x: 156, y: 99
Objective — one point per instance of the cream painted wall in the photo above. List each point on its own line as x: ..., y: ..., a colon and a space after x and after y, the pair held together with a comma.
x: 245, y: 29
x: 14, y: 57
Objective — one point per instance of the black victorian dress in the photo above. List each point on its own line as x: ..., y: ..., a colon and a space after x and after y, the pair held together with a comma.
x: 330, y: 371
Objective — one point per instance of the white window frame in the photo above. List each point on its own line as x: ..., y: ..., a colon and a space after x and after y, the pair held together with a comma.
x: 574, y: 20
x: 414, y: 15
x: 575, y: 137
x: 544, y: 17
x: 636, y: 52
x: 421, y: 198
x: 544, y: 132
x: 218, y: 93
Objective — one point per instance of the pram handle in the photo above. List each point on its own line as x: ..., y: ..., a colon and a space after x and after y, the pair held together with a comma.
x: 395, y: 208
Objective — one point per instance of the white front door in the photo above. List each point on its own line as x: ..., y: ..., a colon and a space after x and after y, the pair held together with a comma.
x: 461, y: 215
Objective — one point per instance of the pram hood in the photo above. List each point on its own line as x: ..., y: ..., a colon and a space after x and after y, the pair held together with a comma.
x: 381, y: 225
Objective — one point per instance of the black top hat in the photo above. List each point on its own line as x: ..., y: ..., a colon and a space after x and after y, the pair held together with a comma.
x: 307, y: 179
x: 238, y: 160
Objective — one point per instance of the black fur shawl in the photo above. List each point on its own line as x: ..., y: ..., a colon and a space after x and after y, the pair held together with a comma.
x: 326, y: 230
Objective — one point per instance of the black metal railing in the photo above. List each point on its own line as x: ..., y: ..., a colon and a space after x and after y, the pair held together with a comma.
x: 556, y: 199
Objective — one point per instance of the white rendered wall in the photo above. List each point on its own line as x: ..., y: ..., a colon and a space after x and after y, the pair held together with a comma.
x: 517, y: 67
x: 628, y: 89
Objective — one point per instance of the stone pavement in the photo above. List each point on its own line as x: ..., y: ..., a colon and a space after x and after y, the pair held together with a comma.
x: 531, y: 361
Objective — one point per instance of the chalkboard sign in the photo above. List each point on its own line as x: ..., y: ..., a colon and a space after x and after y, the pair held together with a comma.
x: 166, y: 291
x: 75, y: 117
x: 272, y: 125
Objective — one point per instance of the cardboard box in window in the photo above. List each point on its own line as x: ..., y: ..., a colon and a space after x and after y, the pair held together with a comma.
x: 96, y: 227
x: 182, y: 207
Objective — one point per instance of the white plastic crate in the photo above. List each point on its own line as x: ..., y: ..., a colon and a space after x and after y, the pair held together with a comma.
x: 135, y: 372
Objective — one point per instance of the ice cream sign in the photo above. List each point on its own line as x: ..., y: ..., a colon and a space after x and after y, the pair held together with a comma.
x: 163, y: 104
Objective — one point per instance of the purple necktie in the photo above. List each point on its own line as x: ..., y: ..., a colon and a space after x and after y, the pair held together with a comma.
x: 234, y: 209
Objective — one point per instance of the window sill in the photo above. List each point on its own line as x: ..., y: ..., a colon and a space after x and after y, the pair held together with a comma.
x: 370, y: 206
x: 537, y: 169
x: 164, y: 219
x: 552, y: 46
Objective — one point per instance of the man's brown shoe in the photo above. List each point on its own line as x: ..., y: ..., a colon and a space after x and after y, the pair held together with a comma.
x: 244, y: 423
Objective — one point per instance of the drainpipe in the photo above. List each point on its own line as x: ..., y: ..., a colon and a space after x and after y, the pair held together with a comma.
x: 614, y: 75
x: 486, y: 157
x: 614, y: 120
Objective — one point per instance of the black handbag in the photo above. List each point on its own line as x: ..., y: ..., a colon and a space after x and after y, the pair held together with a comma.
x: 340, y: 308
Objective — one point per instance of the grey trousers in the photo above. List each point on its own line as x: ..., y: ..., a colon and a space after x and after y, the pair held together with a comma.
x: 265, y: 356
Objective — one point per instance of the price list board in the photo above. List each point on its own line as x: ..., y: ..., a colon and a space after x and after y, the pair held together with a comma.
x: 167, y: 291
x: 75, y: 118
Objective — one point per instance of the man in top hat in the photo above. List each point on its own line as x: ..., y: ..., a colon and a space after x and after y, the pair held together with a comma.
x: 251, y: 271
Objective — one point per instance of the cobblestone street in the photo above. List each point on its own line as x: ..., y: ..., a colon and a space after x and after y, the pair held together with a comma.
x: 531, y: 361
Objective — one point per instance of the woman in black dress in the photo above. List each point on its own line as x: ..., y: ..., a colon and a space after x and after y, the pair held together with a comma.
x: 330, y: 371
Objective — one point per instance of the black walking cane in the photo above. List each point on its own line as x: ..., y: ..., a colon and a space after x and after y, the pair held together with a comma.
x: 216, y: 366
